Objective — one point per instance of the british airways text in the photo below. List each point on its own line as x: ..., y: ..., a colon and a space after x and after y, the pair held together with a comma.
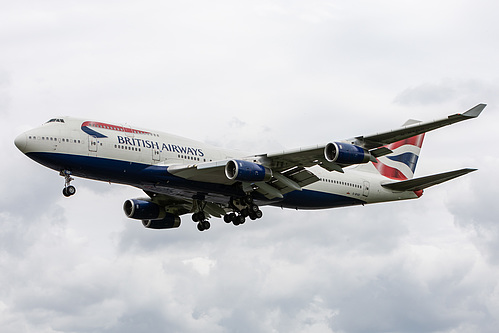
x: 156, y: 145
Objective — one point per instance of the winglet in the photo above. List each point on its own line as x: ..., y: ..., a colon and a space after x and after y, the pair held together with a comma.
x: 475, y: 111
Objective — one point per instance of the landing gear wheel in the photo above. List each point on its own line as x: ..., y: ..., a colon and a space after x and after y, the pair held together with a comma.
x: 245, y: 212
x: 69, y: 191
x: 256, y: 215
x: 228, y: 218
x: 206, y: 225
x: 253, y: 208
x: 239, y: 219
x: 198, y: 217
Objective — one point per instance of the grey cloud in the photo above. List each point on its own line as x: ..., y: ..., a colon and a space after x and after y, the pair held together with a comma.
x: 475, y: 210
x: 466, y: 91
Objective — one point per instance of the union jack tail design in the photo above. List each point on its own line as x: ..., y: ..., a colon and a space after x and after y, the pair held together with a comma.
x: 401, y: 164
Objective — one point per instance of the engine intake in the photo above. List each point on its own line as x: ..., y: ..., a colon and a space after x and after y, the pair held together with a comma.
x: 345, y: 153
x: 247, y: 171
x: 143, y: 210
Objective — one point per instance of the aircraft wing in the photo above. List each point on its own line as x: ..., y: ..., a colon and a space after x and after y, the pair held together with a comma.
x: 381, y: 139
x: 306, y: 157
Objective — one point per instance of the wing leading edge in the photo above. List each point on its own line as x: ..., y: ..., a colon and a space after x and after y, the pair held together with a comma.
x: 384, y: 138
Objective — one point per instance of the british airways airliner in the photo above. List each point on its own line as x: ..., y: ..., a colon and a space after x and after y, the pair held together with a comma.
x: 182, y: 176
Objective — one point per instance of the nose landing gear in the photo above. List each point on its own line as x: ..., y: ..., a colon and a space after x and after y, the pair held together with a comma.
x: 68, y: 189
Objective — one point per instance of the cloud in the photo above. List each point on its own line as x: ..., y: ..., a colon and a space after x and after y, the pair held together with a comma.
x: 475, y: 211
x: 5, y: 82
x: 468, y: 91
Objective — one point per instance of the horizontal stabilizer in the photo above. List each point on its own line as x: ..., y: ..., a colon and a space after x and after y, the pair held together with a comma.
x: 417, y: 184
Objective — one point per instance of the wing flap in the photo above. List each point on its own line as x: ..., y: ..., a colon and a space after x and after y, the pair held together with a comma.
x: 298, y: 175
x: 303, y: 157
x: 204, y: 172
x: 291, y: 180
x: 174, y: 204
x: 421, y: 183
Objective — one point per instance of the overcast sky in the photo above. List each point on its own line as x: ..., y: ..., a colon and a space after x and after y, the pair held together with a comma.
x: 258, y: 76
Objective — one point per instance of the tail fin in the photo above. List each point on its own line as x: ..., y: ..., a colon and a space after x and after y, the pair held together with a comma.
x: 401, y: 163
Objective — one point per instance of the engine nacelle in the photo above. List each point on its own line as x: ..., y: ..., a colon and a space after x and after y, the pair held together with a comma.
x: 168, y: 222
x: 345, y: 153
x: 141, y: 209
x: 247, y: 171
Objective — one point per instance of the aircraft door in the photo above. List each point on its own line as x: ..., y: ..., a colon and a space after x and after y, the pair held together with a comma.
x: 128, y: 131
x: 365, y: 191
x: 92, y: 143
x: 156, y: 155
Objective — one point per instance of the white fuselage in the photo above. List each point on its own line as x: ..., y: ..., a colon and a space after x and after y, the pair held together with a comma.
x: 120, y: 153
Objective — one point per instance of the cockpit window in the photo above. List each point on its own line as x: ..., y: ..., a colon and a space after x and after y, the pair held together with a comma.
x: 55, y: 120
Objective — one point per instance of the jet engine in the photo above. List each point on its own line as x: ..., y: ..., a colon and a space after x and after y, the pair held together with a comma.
x: 345, y: 153
x: 153, y: 216
x: 168, y: 222
x: 143, y: 210
x: 247, y: 171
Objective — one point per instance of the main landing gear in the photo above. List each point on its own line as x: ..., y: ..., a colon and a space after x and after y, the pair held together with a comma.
x: 243, y: 208
x: 68, y: 189
x: 200, y: 218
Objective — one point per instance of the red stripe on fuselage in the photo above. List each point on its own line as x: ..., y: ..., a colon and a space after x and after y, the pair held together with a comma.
x: 97, y: 124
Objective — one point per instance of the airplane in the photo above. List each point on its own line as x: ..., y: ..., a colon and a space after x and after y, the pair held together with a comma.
x: 182, y: 176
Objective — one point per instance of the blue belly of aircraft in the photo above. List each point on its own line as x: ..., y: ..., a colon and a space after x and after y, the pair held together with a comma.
x: 307, y: 199
x: 157, y: 179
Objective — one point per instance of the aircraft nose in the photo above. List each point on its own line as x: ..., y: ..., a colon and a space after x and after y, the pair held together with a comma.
x: 21, y: 142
